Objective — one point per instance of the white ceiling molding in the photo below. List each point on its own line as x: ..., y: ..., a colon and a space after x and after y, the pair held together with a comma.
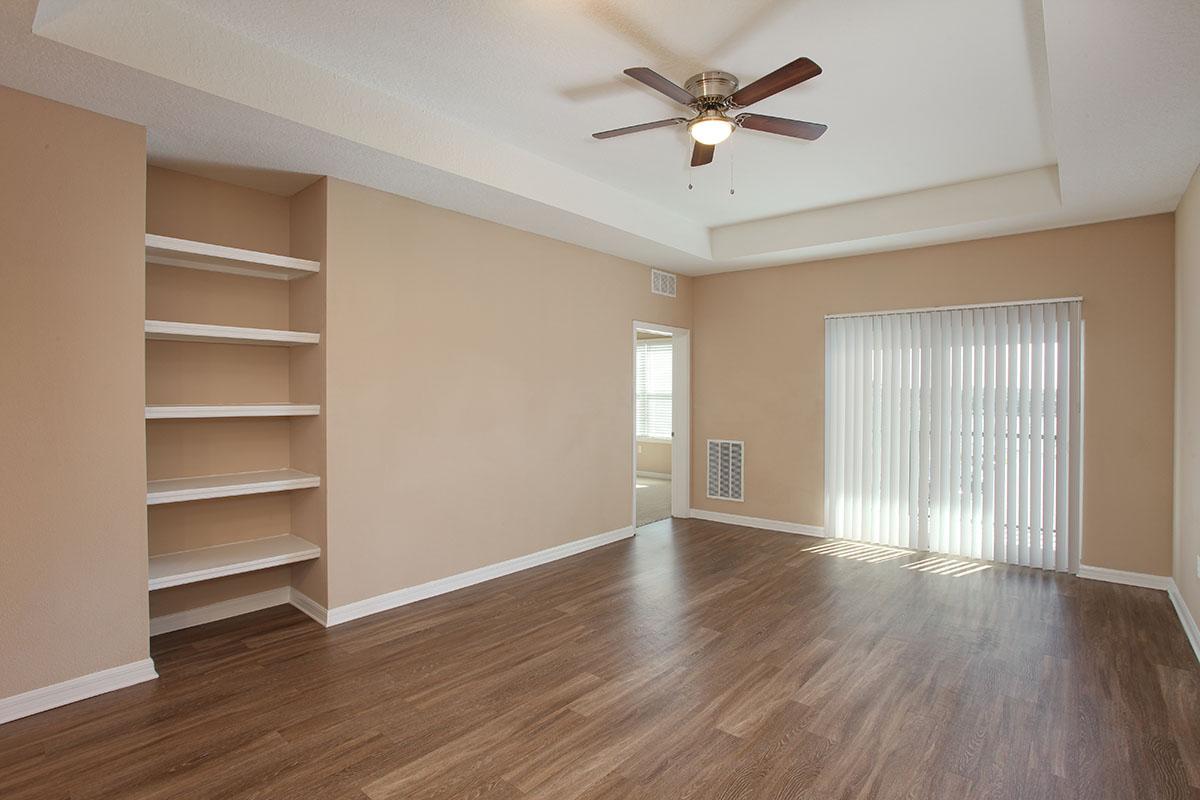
x: 999, y: 198
x: 998, y: 126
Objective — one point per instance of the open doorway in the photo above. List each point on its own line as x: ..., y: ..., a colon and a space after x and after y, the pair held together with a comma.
x: 661, y: 430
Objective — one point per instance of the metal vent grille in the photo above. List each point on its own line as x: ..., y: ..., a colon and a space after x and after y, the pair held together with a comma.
x: 725, y: 460
x: 662, y: 283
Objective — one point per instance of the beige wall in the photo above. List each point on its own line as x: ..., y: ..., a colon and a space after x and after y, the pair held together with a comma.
x: 1187, y: 397
x: 72, y: 464
x: 191, y: 207
x: 654, y: 456
x: 309, y: 508
x: 453, y: 441
x: 758, y: 371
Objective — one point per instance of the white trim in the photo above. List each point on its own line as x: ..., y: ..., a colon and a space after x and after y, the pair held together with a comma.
x: 412, y: 594
x: 224, y: 609
x: 758, y: 522
x: 1007, y: 304
x: 75, y: 689
x: 642, y: 473
x: 310, y: 607
x: 1185, y: 617
x: 1160, y: 582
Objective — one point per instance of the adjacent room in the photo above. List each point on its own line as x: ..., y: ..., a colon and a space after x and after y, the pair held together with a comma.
x: 652, y: 425
x: 600, y: 400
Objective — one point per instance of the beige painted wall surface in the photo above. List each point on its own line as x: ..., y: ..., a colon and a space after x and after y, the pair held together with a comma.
x: 191, y: 207
x: 309, y: 508
x: 72, y: 469
x: 654, y: 456
x: 1187, y: 397
x: 758, y: 366
x: 460, y: 435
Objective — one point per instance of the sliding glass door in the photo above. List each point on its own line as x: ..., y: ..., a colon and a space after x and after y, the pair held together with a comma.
x: 957, y: 431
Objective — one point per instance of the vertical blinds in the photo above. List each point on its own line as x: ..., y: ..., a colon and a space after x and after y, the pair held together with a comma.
x: 957, y: 431
x: 653, y: 388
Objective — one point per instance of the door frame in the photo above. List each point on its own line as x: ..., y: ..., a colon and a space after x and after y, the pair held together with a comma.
x: 681, y: 419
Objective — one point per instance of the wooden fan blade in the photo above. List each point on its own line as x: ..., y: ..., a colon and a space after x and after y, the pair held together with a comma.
x: 645, y: 126
x: 702, y: 154
x: 786, y: 76
x: 660, y: 84
x: 781, y: 126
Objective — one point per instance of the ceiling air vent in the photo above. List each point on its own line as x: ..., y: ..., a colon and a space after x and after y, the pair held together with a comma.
x: 725, y: 469
x: 662, y: 283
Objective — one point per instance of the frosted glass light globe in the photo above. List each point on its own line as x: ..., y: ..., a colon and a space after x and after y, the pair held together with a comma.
x: 710, y: 131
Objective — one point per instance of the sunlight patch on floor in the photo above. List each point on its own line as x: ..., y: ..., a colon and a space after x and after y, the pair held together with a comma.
x: 947, y: 566
x: 858, y: 551
x: 877, y: 554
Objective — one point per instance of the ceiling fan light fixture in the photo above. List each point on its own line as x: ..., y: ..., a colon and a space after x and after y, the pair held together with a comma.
x: 711, y: 127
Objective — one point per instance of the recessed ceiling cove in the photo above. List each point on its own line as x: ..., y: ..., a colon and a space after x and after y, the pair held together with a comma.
x: 942, y: 115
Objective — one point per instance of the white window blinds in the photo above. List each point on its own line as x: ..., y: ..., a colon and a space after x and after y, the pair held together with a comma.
x: 653, y: 388
x: 957, y: 431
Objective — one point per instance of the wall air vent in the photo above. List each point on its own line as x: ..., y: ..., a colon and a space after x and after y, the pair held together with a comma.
x: 662, y: 283
x: 725, y: 459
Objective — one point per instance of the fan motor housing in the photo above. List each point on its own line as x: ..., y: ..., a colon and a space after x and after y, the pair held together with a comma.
x: 711, y: 88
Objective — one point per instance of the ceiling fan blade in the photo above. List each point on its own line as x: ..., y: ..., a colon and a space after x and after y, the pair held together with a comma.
x: 645, y: 126
x: 661, y: 84
x: 786, y: 76
x: 702, y: 154
x: 781, y: 126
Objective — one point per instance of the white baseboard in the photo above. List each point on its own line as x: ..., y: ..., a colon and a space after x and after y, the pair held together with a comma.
x: 310, y: 607
x: 666, y: 476
x: 222, y: 610
x: 759, y: 522
x: 401, y: 597
x: 81, y: 688
x: 1185, y: 617
x: 1160, y: 582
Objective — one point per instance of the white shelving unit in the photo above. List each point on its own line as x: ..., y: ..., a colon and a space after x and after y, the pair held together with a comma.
x: 221, y: 560
x: 173, y: 252
x: 226, y: 411
x: 225, y: 334
x: 235, y: 484
x: 205, y: 563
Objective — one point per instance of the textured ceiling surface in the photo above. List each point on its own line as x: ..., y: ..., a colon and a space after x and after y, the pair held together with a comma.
x: 948, y: 119
x: 961, y: 94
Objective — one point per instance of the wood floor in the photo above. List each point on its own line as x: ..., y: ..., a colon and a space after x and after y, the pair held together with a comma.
x: 696, y: 660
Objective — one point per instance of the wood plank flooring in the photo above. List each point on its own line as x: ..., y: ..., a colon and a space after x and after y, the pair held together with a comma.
x: 697, y: 660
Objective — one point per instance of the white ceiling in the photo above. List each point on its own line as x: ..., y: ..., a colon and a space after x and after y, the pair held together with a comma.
x: 948, y: 118
x: 957, y: 98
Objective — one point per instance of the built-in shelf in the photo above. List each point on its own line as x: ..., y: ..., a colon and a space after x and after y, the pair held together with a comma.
x: 226, y: 334
x: 206, y: 563
x: 243, y: 410
x: 207, y: 487
x: 173, y: 252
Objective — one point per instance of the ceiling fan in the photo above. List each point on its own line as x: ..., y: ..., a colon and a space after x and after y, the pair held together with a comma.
x: 712, y: 94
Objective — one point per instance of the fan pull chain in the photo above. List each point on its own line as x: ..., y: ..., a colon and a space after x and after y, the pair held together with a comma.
x: 691, y: 175
x: 731, y: 166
